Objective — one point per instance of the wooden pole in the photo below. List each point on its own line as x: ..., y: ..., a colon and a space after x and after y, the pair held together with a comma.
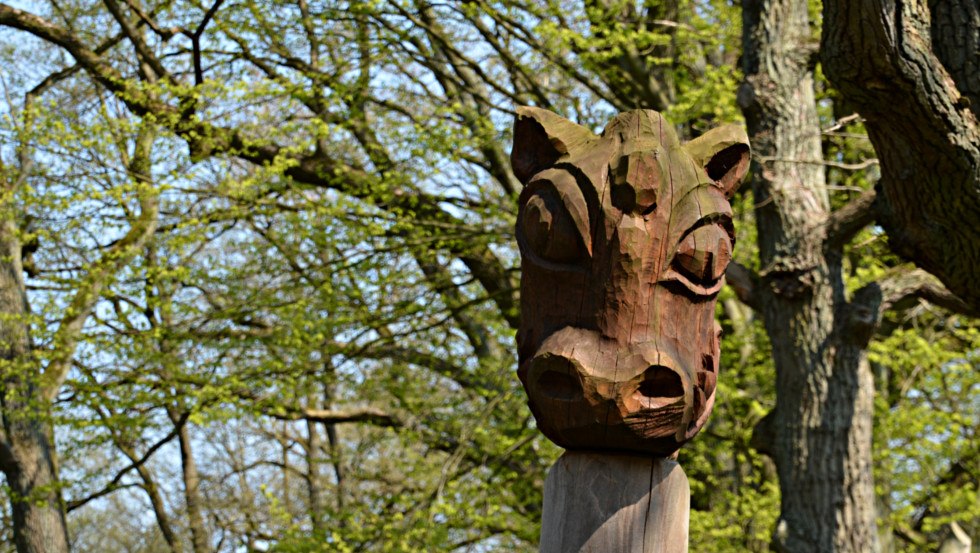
x: 607, y: 503
x: 956, y: 541
x: 625, y: 238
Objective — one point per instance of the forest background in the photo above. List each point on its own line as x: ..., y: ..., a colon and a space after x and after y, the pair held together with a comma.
x: 258, y: 282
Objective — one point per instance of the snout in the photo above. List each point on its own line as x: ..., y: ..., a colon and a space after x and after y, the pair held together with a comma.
x: 591, y: 392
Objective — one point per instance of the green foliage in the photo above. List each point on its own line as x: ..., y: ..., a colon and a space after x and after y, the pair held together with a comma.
x: 926, y: 421
x: 323, y: 308
x: 734, y: 491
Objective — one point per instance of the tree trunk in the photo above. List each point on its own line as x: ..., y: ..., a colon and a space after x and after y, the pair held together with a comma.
x: 911, y: 69
x: 200, y: 540
x: 314, y: 490
x: 156, y: 502
x: 333, y: 443
x: 38, y: 512
x: 883, y: 495
x: 26, y: 455
x: 819, y: 435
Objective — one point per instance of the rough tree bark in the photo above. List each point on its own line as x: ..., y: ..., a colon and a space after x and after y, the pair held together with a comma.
x: 27, y: 457
x: 911, y: 69
x: 819, y: 434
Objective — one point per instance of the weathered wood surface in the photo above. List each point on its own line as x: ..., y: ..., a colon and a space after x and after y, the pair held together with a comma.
x: 601, y: 503
x: 624, y: 240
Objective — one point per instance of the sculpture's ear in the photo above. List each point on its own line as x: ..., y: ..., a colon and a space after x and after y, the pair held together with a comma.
x: 724, y: 154
x: 540, y: 138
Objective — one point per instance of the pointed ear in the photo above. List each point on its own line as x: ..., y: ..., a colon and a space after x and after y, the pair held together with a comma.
x: 541, y: 138
x: 724, y: 154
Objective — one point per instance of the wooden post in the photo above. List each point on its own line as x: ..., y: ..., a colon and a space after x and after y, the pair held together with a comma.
x: 956, y: 540
x: 624, y: 238
x: 598, y: 502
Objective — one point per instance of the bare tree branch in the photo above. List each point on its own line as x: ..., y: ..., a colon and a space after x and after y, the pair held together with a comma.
x: 103, y: 271
x: 114, y: 484
x: 843, y: 224
x: 371, y: 415
x: 904, y: 285
x: 139, y: 44
x: 743, y: 283
x: 896, y: 291
x: 826, y: 163
x: 196, y: 41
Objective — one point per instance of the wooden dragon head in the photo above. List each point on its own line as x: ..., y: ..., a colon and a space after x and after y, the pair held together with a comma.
x: 624, y: 240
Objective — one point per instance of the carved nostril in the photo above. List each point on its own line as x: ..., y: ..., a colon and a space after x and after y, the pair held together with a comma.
x: 660, y: 387
x: 660, y: 383
x: 559, y: 385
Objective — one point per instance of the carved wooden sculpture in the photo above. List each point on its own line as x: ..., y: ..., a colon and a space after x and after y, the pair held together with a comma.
x: 624, y: 240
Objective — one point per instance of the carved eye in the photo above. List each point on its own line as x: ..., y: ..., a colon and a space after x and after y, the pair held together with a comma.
x: 549, y: 230
x: 553, y: 225
x: 701, y: 259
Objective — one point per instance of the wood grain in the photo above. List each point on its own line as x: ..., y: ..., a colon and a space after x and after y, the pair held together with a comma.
x: 604, y: 503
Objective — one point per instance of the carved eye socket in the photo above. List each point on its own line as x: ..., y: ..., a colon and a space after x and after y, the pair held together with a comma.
x: 701, y: 259
x: 553, y: 226
x: 549, y: 230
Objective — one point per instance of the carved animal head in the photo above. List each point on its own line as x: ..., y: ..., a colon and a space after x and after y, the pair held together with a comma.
x: 624, y: 240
